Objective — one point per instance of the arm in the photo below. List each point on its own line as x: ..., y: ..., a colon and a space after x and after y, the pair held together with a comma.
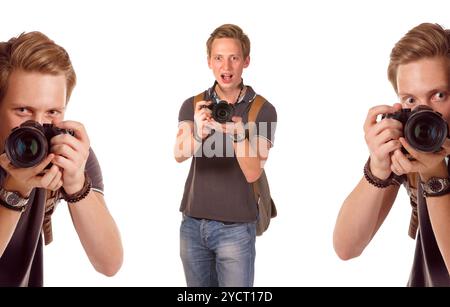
x: 98, y: 233
x: 186, y: 144
x: 360, y: 217
x: 251, y: 156
x: 430, y: 165
x: 367, y: 206
x: 23, y: 181
x: 95, y: 226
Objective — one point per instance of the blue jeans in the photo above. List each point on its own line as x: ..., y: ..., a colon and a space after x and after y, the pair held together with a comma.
x: 217, y: 254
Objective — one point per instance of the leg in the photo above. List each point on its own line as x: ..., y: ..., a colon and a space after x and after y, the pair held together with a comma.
x: 235, y: 254
x: 198, y: 261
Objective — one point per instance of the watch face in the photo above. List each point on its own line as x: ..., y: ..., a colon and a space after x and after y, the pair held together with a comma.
x: 13, y: 199
x: 435, y: 185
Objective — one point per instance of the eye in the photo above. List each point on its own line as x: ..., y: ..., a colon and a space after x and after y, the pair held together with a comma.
x: 439, y: 96
x: 409, y: 100
x: 54, y: 112
x: 217, y: 58
x: 22, y: 111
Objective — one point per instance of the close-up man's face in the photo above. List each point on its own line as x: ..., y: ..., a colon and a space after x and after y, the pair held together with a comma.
x: 425, y: 82
x: 227, y: 62
x: 31, y: 96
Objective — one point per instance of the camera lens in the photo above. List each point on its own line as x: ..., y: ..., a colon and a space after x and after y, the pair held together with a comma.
x: 223, y: 112
x: 426, y: 131
x: 26, y: 147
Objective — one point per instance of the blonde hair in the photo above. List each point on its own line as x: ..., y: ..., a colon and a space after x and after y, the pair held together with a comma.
x: 426, y: 40
x: 34, y: 52
x: 229, y: 31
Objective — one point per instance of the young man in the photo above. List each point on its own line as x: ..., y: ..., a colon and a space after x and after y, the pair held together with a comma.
x: 419, y: 70
x: 36, y: 81
x: 219, y: 207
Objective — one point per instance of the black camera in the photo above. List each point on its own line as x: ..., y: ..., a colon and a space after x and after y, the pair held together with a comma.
x: 222, y: 111
x: 424, y: 129
x: 29, y: 144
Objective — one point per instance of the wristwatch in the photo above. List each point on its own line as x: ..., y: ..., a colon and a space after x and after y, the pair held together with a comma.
x: 12, y: 200
x: 238, y: 137
x: 436, y: 186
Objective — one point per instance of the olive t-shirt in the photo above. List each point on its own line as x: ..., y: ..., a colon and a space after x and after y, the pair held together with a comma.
x: 22, y: 261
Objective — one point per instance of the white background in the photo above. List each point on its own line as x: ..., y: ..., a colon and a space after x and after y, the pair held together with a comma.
x: 321, y: 63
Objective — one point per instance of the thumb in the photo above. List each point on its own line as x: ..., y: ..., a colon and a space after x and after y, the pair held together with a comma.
x: 236, y: 119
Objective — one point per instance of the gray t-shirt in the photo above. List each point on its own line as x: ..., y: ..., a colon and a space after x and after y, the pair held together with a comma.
x: 429, y: 268
x: 22, y: 261
x: 216, y: 187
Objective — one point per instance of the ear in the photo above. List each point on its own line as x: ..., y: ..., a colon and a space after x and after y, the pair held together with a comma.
x: 247, y: 61
x: 208, y: 59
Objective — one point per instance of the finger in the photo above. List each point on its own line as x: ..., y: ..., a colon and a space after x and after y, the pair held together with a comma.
x: 414, y: 153
x: 373, y: 113
x: 236, y: 119
x: 201, y: 104
x: 67, y: 139
x: 78, y: 129
x: 4, y: 162
x: 385, y: 124
x: 387, y: 148
x: 65, y: 151
x: 446, y: 146
x: 41, y: 166
x: 44, y: 181
x: 53, y: 185
x: 56, y: 187
x: 387, y: 135
x: 64, y: 163
x: 396, y: 166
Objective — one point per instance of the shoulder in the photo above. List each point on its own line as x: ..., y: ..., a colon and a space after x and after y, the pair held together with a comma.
x: 267, y: 111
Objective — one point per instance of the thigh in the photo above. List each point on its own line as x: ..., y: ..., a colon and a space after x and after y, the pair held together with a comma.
x: 235, y: 255
x: 198, y: 261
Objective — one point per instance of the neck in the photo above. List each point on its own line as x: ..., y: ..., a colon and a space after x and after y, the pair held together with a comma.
x: 230, y: 95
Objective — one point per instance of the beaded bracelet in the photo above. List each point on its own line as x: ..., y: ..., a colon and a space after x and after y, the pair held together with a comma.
x: 375, y: 181
x: 76, y: 197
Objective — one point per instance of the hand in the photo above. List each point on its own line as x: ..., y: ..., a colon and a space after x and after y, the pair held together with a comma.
x: 23, y: 180
x: 71, y: 154
x: 426, y: 164
x: 382, y: 139
x: 202, y: 117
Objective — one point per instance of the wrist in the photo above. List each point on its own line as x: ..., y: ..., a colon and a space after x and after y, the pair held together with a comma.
x: 75, y: 186
x: 11, y: 184
x: 440, y: 171
x: 382, y: 174
x: 73, y: 197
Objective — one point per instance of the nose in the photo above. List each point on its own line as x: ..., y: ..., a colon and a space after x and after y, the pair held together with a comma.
x: 227, y: 64
x: 38, y: 117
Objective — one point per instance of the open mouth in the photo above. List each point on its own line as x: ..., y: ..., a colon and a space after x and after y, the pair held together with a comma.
x: 226, y: 78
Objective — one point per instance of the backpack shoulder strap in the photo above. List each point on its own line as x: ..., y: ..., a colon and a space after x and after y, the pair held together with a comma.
x: 256, y: 106
x: 198, y: 98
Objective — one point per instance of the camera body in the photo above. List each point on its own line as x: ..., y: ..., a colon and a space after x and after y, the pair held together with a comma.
x: 424, y: 129
x: 29, y: 144
x: 222, y: 111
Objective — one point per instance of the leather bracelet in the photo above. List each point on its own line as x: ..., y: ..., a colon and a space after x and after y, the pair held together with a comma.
x: 76, y: 197
x: 375, y: 181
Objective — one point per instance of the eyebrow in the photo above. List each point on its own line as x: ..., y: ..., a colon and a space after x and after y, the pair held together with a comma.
x: 436, y: 89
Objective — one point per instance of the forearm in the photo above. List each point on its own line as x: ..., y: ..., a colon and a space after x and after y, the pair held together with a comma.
x: 361, y: 215
x: 186, y: 147
x: 98, y: 233
x: 8, y: 222
x: 249, y: 161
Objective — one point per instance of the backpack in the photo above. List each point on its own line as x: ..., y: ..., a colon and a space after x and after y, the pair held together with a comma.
x: 266, y: 206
